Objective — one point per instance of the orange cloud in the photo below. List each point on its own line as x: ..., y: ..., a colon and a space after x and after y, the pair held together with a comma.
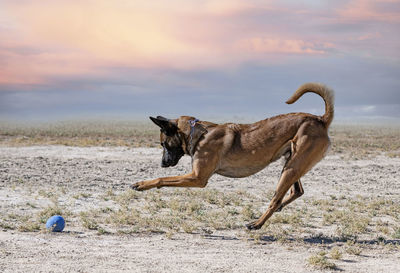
x: 71, y: 38
x: 74, y: 39
x: 103, y: 31
x: 227, y: 7
x: 83, y: 37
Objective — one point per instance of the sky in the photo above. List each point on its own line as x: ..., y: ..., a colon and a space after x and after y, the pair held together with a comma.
x: 233, y: 59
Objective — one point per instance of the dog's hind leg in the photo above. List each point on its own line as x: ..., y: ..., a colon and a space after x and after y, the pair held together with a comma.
x: 295, y: 192
x: 311, y: 146
x: 297, y: 189
x: 288, y: 178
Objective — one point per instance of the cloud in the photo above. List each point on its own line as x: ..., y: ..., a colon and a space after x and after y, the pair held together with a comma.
x: 67, y: 39
x: 369, y: 36
x: 283, y: 46
x: 365, y: 109
x: 244, y: 52
x: 24, y: 65
x: 228, y: 7
x: 382, y: 10
x: 103, y: 31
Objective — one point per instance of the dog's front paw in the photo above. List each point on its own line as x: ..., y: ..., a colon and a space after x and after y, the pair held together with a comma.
x: 253, y: 225
x: 139, y: 186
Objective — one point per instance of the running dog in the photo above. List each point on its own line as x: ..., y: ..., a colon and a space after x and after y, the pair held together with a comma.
x: 240, y: 150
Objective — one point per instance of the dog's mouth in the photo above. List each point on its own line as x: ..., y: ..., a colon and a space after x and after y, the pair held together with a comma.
x: 168, y: 164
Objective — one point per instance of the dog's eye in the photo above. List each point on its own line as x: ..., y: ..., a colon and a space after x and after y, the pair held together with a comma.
x: 165, y: 145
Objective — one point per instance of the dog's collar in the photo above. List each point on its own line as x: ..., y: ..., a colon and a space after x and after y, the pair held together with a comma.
x: 192, y: 124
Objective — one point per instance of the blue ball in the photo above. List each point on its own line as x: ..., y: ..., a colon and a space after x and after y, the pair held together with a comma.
x: 55, y: 223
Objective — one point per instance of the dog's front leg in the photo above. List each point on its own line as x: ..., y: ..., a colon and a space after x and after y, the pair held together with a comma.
x: 203, y: 169
x: 188, y: 180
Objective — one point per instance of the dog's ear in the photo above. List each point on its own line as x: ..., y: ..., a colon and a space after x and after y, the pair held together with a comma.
x: 167, y: 126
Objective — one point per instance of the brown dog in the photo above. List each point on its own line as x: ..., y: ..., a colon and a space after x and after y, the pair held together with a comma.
x: 240, y: 150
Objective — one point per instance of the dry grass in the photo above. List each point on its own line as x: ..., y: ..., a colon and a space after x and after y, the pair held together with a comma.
x: 359, y: 216
x: 353, y: 248
x: 206, y: 211
x: 28, y: 222
x: 80, y: 133
x: 335, y: 253
x: 29, y: 226
x: 320, y: 261
x: 361, y: 141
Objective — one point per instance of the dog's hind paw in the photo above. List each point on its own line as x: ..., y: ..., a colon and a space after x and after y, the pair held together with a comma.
x: 253, y: 225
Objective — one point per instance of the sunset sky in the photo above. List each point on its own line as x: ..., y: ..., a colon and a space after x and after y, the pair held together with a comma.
x: 62, y: 59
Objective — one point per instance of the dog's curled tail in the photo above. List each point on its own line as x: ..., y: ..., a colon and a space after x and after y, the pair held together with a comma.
x: 325, y: 92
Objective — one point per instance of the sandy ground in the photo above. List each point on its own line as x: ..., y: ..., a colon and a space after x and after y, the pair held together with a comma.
x: 25, y: 171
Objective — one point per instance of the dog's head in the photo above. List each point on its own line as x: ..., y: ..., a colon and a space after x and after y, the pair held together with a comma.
x: 177, y: 138
x: 170, y: 140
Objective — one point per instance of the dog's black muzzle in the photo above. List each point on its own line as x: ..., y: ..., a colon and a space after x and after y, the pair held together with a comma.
x: 171, y: 157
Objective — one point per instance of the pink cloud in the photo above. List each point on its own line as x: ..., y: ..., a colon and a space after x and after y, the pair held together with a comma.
x: 369, y: 36
x: 370, y: 10
x: 23, y: 63
x: 281, y: 46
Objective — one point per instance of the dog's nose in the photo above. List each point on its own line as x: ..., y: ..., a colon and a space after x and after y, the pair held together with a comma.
x: 164, y: 164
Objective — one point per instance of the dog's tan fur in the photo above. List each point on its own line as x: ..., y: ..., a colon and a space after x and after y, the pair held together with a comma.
x: 240, y: 150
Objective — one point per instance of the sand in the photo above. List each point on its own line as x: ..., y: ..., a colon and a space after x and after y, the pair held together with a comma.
x: 25, y: 171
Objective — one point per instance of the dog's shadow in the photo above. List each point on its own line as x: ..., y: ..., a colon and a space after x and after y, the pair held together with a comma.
x: 220, y: 237
x: 313, y: 240
x: 325, y: 240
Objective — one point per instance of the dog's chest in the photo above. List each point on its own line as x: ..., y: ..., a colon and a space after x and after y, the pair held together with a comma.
x: 239, y: 171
